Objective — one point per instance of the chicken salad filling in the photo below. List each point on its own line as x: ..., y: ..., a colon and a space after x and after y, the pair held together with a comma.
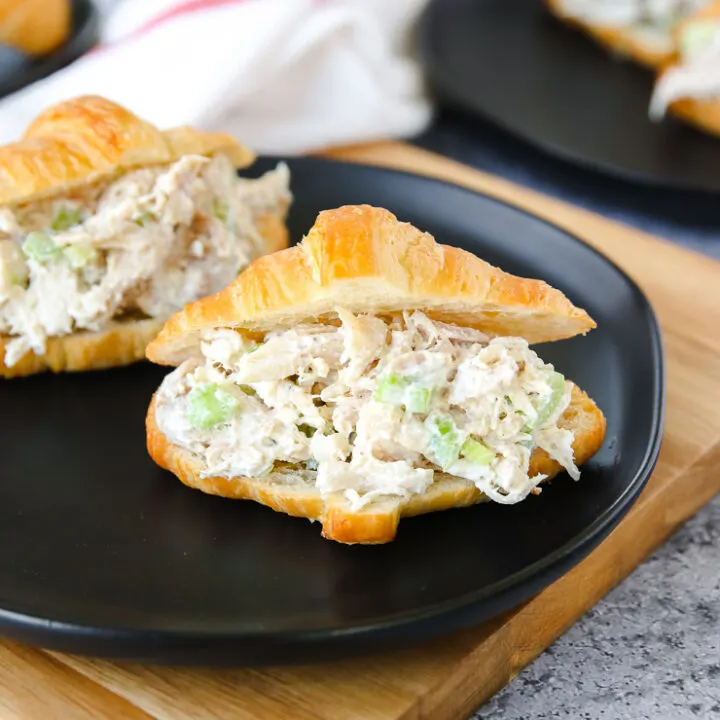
x: 144, y: 244
x: 698, y: 73
x: 372, y: 407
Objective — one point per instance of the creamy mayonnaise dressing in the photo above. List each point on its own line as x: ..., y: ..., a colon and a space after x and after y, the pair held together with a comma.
x: 373, y: 407
x: 148, y: 243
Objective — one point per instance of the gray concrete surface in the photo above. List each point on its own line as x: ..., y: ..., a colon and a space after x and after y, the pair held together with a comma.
x: 649, y: 651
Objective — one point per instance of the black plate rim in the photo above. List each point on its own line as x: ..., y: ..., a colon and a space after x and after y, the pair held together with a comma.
x: 433, y: 620
x: 445, y: 87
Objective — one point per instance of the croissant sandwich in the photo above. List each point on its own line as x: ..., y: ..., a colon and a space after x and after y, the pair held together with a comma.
x: 109, y: 225
x: 639, y: 29
x: 366, y: 374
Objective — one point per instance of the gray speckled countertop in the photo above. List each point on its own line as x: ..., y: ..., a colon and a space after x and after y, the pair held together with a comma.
x: 649, y: 651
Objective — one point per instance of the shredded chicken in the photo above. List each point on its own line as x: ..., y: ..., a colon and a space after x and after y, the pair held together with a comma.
x: 147, y: 243
x: 375, y: 407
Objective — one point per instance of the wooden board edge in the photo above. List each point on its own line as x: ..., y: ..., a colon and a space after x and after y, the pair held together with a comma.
x: 35, y: 678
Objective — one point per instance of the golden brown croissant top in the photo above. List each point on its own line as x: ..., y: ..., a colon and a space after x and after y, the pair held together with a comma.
x: 34, y: 26
x: 89, y: 138
x: 364, y: 259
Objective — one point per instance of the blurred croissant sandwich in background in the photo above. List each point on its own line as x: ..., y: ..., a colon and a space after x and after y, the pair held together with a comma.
x: 639, y: 29
x: 36, y: 27
x: 689, y: 86
x: 109, y: 225
x: 370, y: 373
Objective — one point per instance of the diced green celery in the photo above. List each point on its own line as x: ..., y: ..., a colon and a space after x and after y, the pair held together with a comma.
x: 391, y: 389
x: 697, y: 36
x: 403, y: 391
x: 417, y: 399
x: 445, y: 452
x: 446, y: 426
x: 545, y: 411
x: 445, y: 443
x: 221, y: 210
x: 66, y: 217
x: 40, y: 247
x: 477, y: 452
x: 144, y: 219
x: 209, y: 405
x: 13, y: 270
x: 80, y: 254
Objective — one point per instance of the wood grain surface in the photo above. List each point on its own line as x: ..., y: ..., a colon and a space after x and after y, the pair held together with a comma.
x: 447, y: 678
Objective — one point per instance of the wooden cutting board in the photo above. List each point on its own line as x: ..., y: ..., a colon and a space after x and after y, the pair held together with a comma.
x: 447, y: 678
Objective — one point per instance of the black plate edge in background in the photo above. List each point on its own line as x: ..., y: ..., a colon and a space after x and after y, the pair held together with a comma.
x: 446, y: 91
x: 213, y: 649
x: 682, y: 216
x: 84, y: 34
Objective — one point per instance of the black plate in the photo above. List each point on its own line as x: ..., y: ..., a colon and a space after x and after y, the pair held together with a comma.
x: 513, y: 63
x: 103, y: 553
x: 17, y: 69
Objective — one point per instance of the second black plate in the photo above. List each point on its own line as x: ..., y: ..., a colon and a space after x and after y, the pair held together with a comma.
x: 516, y: 65
x: 101, y: 552
x: 18, y: 70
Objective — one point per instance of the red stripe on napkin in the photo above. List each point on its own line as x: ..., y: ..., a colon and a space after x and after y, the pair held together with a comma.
x: 184, y: 8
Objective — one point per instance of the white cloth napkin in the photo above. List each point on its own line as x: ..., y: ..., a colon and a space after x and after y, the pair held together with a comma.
x: 283, y: 76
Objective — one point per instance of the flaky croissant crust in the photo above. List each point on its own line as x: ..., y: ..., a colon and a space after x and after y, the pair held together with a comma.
x: 363, y: 259
x: 88, y: 139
